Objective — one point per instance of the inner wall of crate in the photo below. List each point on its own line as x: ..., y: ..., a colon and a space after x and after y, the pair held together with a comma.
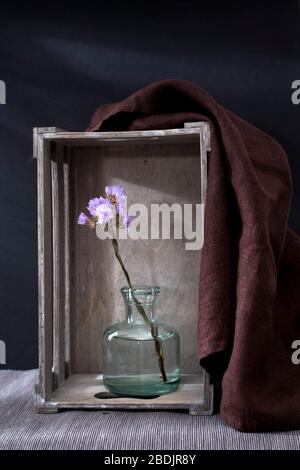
x: 150, y: 173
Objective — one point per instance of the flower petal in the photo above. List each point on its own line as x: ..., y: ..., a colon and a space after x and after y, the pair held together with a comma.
x: 94, y: 203
x: 105, y: 212
x: 82, y: 219
x: 114, y: 193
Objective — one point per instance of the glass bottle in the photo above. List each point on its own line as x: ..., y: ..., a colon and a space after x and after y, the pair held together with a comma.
x: 140, y: 354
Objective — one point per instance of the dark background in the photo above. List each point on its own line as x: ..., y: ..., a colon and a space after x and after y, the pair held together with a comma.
x: 60, y: 63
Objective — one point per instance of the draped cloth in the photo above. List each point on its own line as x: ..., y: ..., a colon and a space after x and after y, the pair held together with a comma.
x: 249, y: 295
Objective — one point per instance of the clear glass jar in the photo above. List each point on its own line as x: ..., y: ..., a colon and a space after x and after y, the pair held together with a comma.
x: 140, y: 354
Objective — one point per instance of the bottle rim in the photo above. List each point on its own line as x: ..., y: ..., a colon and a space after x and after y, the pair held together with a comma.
x: 140, y: 290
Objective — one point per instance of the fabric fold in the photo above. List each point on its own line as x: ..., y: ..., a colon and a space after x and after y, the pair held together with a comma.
x: 249, y: 295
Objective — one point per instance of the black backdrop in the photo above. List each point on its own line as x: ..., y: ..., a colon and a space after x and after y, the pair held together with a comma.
x: 59, y: 63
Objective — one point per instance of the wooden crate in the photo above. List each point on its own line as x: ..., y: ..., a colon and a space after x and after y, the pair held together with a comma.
x: 79, y: 279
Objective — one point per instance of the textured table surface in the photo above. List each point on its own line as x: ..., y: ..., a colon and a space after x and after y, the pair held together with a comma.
x: 21, y: 428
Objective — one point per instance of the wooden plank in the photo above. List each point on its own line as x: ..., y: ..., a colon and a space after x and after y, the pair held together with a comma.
x: 55, y: 134
x: 208, y: 398
x: 45, y: 266
x: 204, y: 148
x: 66, y: 182
x: 58, y: 230
x: 73, y: 259
x: 178, y: 136
x: 79, y: 391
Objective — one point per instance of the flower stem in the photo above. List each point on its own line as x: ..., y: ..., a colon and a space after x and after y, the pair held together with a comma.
x: 141, y: 310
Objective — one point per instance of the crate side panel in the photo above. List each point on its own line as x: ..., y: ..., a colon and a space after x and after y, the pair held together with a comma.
x: 58, y: 228
x: 67, y: 261
x: 45, y: 267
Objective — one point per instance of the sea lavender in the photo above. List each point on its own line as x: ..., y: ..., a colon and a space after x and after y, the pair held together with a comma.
x: 112, y: 208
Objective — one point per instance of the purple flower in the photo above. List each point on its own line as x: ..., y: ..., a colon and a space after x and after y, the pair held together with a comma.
x: 82, y: 219
x: 112, y: 208
x: 115, y: 194
x: 104, y: 212
x: 94, y: 204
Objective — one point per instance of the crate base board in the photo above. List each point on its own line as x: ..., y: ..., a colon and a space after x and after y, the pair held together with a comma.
x: 79, y: 390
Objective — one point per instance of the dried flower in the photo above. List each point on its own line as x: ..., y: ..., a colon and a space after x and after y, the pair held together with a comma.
x: 82, y: 219
x: 105, y: 212
x: 111, y: 211
x: 115, y: 194
x: 93, y: 205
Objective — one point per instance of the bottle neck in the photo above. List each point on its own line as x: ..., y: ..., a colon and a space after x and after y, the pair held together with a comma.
x: 140, y: 305
x: 140, y: 313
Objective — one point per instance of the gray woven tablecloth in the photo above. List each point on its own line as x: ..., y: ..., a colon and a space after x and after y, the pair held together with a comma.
x: 22, y: 428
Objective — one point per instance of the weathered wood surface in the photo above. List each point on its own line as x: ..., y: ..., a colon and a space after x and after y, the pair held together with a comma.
x: 67, y: 274
x: 38, y: 132
x: 42, y: 151
x: 156, y: 136
x: 164, y: 173
x: 45, y: 266
x: 205, y: 149
x: 58, y: 231
x: 80, y: 389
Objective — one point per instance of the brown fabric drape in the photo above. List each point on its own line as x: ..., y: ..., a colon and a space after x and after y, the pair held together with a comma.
x: 249, y: 308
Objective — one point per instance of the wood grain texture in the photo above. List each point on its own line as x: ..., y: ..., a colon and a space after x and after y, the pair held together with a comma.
x: 58, y: 231
x: 166, y: 173
x: 41, y: 131
x: 80, y: 389
x: 42, y: 151
x: 45, y: 266
x: 172, y: 136
x: 205, y: 149
x: 67, y: 243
